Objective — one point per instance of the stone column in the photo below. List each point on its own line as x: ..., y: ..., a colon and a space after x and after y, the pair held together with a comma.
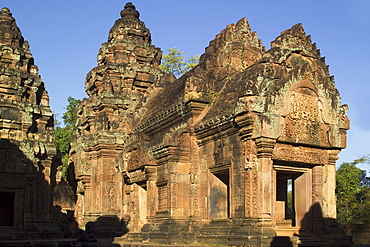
x: 265, y: 184
x: 48, y: 197
x: 79, y: 209
x: 317, y: 182
x: 329, y: 184
x: 251, y: 179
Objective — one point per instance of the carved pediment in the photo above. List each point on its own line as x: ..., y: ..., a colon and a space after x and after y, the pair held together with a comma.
x: 303, y: 121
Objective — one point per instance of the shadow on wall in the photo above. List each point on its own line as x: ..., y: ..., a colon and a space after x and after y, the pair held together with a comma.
x: 105, y: 227
x: 281, y: 241
x: 316, y: 231
x: 65, y: 221
x: 24, y: 190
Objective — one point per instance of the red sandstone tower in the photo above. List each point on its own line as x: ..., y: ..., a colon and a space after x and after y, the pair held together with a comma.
x: 207, y: 158
x: 27, y: 145
x: 127, y: 72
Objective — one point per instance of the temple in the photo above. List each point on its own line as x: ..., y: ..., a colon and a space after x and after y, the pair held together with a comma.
x: 27, y: 146
x: 238, y: 151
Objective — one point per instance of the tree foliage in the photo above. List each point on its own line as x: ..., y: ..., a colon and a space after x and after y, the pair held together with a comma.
x: 70, y: 116
x: 175, y: 62
x: 353, y: 193
x: 63, y: 135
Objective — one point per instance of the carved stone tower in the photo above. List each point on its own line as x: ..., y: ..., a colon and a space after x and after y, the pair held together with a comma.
x: 27, y: 144
x: 208, y: 157
x: 128, y: 65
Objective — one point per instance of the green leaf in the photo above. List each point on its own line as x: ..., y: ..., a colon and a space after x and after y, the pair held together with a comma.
x: 174, y: 62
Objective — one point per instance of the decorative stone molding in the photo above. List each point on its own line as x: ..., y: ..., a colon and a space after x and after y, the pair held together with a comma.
x: 164, y: 154
x: 265, y: 147
x: 85, y: 179
x: 171, y: 115
x: 246, y: 122
x: 300, y: 154
x: 332, y: 157
x: 215, y: 129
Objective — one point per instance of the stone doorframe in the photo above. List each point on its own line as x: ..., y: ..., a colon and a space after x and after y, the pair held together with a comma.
x: 220, y: 192
x: 301, y: 194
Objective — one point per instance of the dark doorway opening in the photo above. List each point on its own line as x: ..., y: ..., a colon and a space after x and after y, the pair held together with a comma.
x: 7, y: 208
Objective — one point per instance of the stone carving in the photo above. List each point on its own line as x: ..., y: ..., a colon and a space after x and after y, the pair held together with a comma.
x: 27, y: 145
x: 127, y: 72
x: 209, y: 155
x: 300, y: 154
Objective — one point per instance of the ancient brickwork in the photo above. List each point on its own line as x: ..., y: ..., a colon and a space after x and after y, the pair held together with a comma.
x: 27, y: 144
x: 208, y: 157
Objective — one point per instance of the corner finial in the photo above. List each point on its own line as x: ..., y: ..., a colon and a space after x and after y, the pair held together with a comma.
x: 6, y: 15
x: 5, y: 11
x: 129, y: 11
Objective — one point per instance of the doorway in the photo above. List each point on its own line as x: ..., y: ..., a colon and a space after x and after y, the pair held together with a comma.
x: 220, y: 194
x: 293, y: 197
x: 7, y: 208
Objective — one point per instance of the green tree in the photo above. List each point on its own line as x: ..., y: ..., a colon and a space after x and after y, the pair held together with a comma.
x: 63, y: 135
x: 353, y: 193
x: 175, y: 62
x: 70, y: 116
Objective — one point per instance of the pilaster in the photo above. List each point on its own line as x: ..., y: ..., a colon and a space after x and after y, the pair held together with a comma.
x: 329, y: 185
x: 265, y: 148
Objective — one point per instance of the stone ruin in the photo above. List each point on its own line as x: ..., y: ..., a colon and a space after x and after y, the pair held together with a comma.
x: 209, y: 158
x: 27, y: 146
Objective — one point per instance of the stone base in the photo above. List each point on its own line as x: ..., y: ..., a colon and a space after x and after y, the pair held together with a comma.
x: 220, y: 232
x: 171, y: 232
x: 34, y: 229
x: 226, y: 232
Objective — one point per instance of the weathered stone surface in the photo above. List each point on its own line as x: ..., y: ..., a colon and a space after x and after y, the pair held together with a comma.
x: 127, y: 72
x: 27, y: 145
x: 207, y: 157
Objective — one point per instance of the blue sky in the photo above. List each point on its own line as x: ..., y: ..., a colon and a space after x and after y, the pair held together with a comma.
x: 65, y: 37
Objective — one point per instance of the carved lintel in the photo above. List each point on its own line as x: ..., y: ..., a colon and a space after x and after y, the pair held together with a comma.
x: 300, y: 154
x: 265, y: 147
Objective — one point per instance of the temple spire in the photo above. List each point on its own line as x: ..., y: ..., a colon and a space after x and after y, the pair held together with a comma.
x: 129, y: 11
x: 6, y: 15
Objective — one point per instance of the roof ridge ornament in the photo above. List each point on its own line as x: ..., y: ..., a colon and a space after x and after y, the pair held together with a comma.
x: 130, y: 11
x: 6, y: 15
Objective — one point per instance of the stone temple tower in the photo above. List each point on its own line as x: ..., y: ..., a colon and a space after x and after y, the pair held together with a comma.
x: 207, y: 158
x: 27, y: 146
x: 117, y: 88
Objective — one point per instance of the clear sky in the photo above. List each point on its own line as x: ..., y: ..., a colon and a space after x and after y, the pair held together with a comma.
x: 65, y: 37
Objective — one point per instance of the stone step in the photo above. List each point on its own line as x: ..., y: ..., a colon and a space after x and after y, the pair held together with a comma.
x: 59, y: 243
x: 287, y: 231
x: 311, y: 242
